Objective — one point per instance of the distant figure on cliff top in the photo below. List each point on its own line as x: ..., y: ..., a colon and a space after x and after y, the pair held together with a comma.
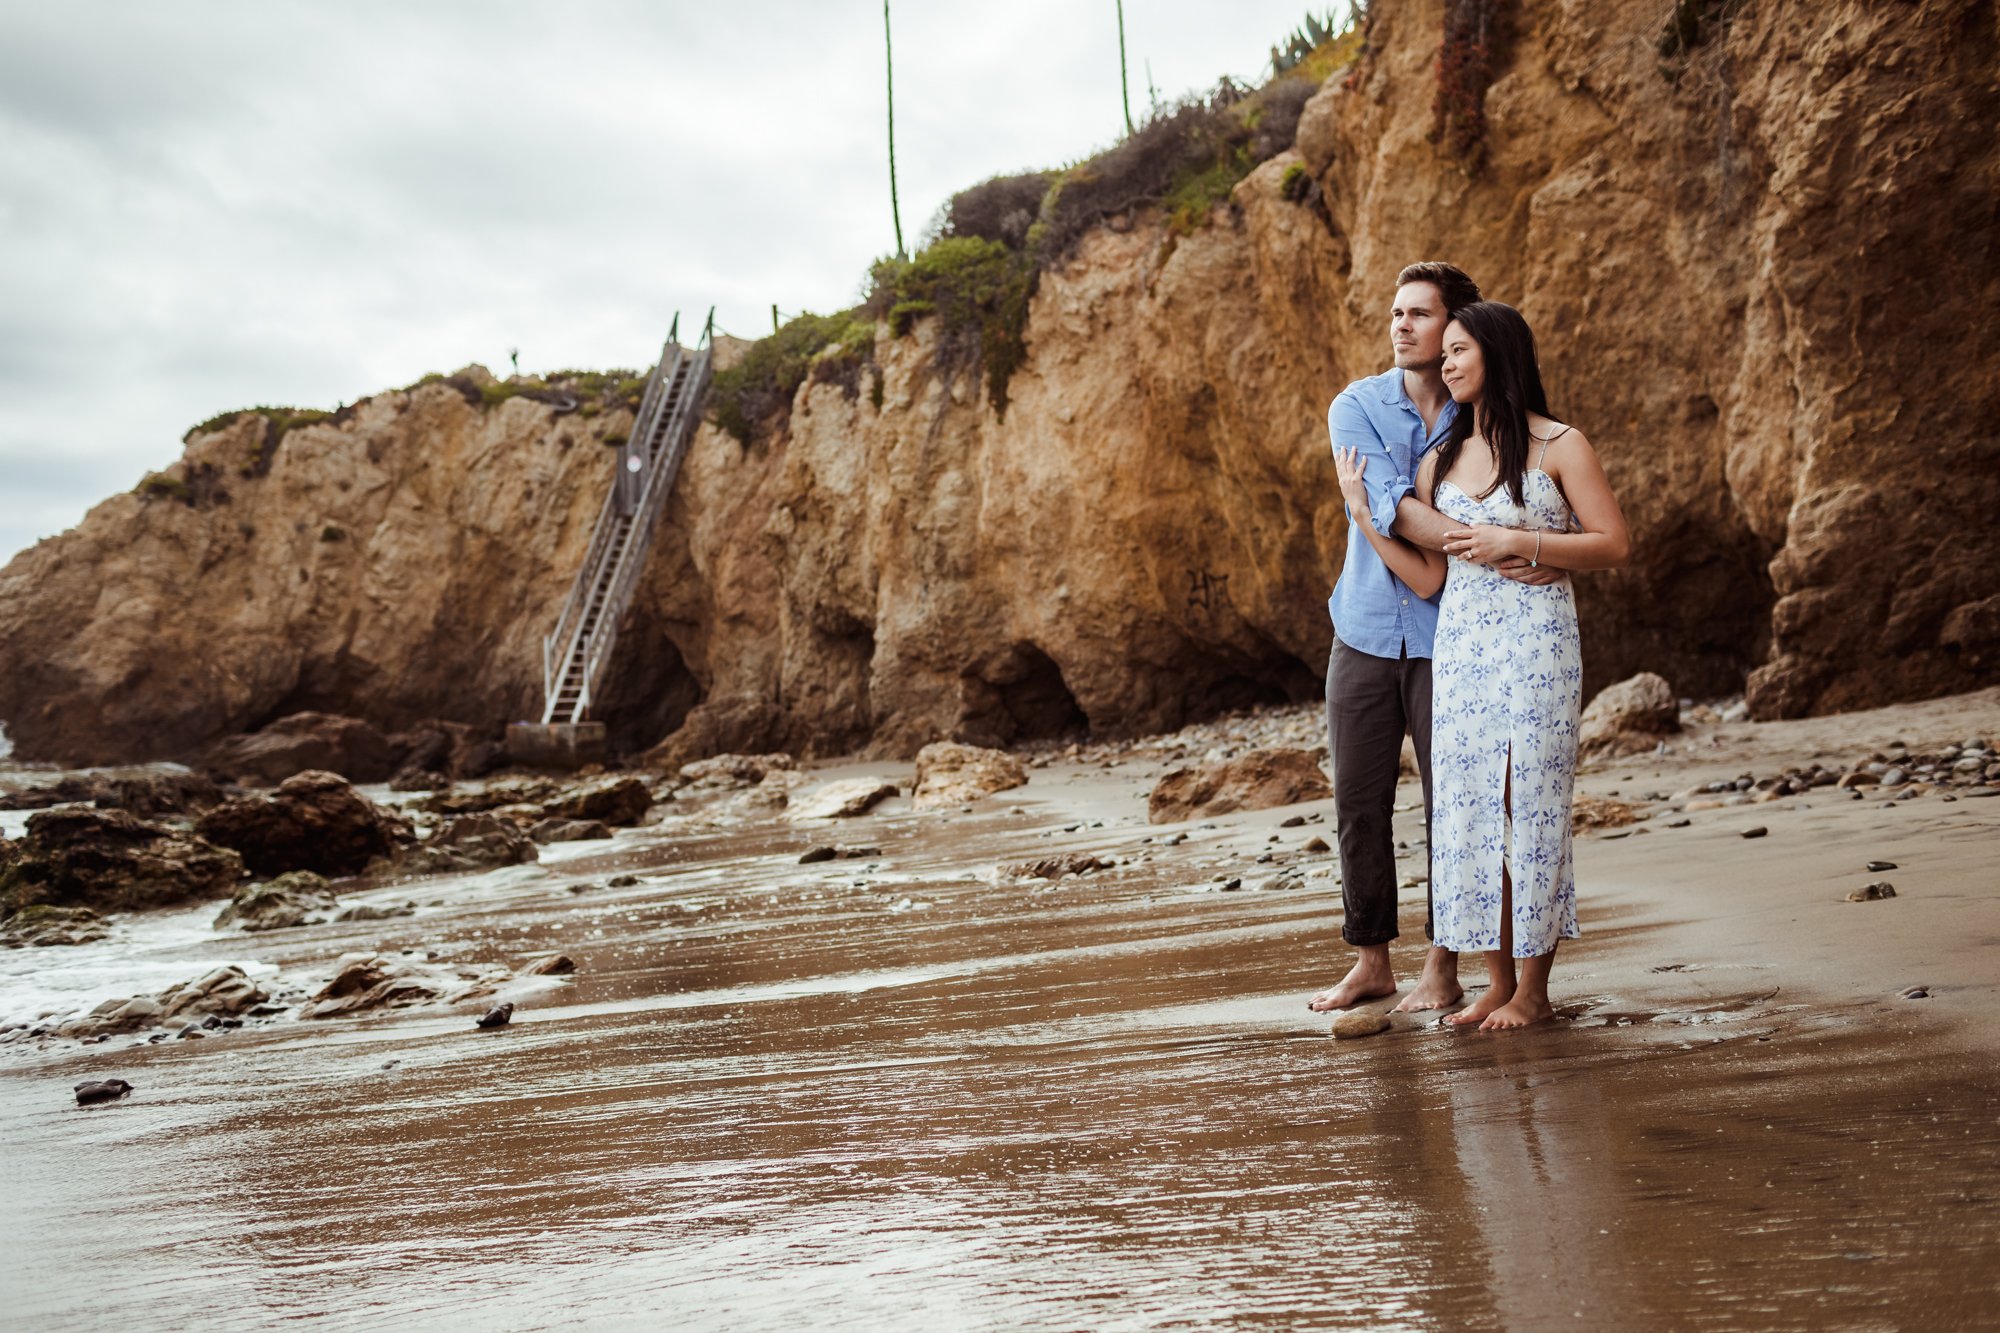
x: 1434, y: 454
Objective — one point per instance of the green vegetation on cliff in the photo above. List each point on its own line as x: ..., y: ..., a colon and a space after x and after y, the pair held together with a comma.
x: 990, y: 244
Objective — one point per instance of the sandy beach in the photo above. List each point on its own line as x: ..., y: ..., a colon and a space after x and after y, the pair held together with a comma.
x: 915, y: 1088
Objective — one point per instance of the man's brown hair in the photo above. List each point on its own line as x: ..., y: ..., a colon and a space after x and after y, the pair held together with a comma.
x: 1459, y: 289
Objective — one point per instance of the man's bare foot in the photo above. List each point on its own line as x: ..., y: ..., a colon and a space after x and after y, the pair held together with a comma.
x: 1437, y: 988
x: 1519, y: 1012
x: 1493, y: 999
x: 1368, y: 980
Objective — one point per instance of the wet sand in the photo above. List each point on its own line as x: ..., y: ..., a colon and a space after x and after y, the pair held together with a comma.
x: 911, y: 1092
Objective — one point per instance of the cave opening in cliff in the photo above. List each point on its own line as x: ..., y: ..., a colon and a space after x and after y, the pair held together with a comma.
x: 648, y: 691
x: 1019, y: 694
x: 1236, y: 682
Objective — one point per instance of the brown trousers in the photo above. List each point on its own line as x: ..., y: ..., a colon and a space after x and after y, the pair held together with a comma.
x: 1371, y: 702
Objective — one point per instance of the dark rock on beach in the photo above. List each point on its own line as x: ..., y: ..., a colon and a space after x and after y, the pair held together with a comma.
x: 569, y: 830
x: 43, y: 926
x: 1056, y: 867
x: 314, y: 821
x: 390, y: 981
x: 148, y: 793
x: 100, y: 1091
x: 496, y: 1017
x: 470, y: 842
x: 304, y: 742
x: 618, y: 801
x: 75, y: 856
x: 499, y: 795
x: 296, y: 898
x: 836, y: 852
x: 728, y: 772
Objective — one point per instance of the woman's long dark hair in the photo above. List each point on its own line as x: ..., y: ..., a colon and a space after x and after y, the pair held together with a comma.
x: 1513, y: 389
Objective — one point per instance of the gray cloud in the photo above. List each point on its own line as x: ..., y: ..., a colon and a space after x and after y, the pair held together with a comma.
x: 210, y: 204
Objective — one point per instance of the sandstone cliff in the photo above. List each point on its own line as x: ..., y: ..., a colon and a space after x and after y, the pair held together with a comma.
x: 1758, y: 284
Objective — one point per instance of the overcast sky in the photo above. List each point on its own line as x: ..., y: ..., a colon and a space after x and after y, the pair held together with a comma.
x: 209, y: 205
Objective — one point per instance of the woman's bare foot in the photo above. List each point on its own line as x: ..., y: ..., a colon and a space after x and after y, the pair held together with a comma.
x: 1438, y: 987
x: 1370, y: 979
x: 1493, y: 999
x: 1522, y: 1011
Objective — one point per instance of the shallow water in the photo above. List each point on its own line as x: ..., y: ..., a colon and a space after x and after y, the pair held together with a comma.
x: 771, y: 1097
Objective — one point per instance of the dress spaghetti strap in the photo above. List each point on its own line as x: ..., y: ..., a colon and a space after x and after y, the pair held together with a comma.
x: 1543, y: 456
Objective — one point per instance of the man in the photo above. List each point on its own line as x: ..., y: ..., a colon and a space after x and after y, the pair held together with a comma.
x: 1378, y: 681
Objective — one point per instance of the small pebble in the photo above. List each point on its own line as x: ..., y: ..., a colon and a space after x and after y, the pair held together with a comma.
x: 1359, y: 1023
x: 1876, y: 867
x: 1317, y: 846
x: 496, y: 1017
x: 1873, y: 892
x: 1295, y: 821
x: 1756, y: 832
x: 1679, y: 823
x: 1917, y: 993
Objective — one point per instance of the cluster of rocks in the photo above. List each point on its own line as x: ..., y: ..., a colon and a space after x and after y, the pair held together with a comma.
x: 149, y: 792
x: 109, y: 860
x: 221, y: 998
x: 1900, y: 772
x: 423, y: 758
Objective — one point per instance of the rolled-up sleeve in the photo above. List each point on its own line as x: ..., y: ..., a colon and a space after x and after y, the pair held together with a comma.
x: 1348, y: 425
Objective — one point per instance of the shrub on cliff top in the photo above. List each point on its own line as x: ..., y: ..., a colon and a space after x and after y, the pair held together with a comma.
x: 1001, y: 209
x: 990, y: 244
x: 753, y: 398
x: 979, y: 291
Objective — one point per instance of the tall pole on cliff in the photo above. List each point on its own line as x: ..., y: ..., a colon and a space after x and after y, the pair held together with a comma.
x: 1124, y: 88
x: 889, y: 67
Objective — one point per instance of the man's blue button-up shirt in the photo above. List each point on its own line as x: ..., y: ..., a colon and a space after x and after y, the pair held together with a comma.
x: 1374, y: 611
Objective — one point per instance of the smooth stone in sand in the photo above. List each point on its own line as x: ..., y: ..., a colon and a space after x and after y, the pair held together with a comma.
x: 101, y: 1090
x: 1359, y: 1023
x: 496, y: 1017
x: 1876, y: 867
x: 1873, y: 892
x: 1756, y: 832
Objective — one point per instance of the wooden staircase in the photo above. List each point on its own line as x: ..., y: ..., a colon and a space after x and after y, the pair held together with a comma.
x: 576, y: 653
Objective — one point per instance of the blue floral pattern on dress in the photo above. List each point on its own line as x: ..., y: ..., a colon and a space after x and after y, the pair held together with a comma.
x: 1507, y: 678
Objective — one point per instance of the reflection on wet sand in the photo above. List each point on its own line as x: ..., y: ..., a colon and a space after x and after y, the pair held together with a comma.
x: 770, y: 1098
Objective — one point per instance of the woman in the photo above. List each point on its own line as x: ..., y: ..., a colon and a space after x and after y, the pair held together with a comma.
x: 1507, y: 678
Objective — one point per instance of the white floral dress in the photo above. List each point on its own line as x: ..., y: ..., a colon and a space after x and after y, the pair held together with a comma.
x: 1507, y: 679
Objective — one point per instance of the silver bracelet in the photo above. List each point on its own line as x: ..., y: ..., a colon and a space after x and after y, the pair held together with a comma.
x: 1535, y: 561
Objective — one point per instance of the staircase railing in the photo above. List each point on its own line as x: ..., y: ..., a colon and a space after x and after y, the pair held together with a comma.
x: 577, y: 651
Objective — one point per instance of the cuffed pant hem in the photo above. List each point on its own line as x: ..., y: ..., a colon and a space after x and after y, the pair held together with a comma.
x: 1358, y: 939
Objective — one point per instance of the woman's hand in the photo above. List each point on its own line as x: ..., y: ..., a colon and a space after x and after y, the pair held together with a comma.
x: 1347, y: 466
x: 1485, y: 544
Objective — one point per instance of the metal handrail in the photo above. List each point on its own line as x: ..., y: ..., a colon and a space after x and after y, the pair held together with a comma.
x: 631, y: 557
x: 666, y: 415
x: 560, y: 644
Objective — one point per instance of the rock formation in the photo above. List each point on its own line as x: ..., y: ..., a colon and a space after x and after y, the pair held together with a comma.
x: 1256, y: 780
x: 109, y: 860
x: 1757, y: 270
x: 313, y: 821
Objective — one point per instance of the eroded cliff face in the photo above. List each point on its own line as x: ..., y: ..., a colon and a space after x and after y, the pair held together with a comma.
x: 396, y: 566
x: 1760, y: 288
